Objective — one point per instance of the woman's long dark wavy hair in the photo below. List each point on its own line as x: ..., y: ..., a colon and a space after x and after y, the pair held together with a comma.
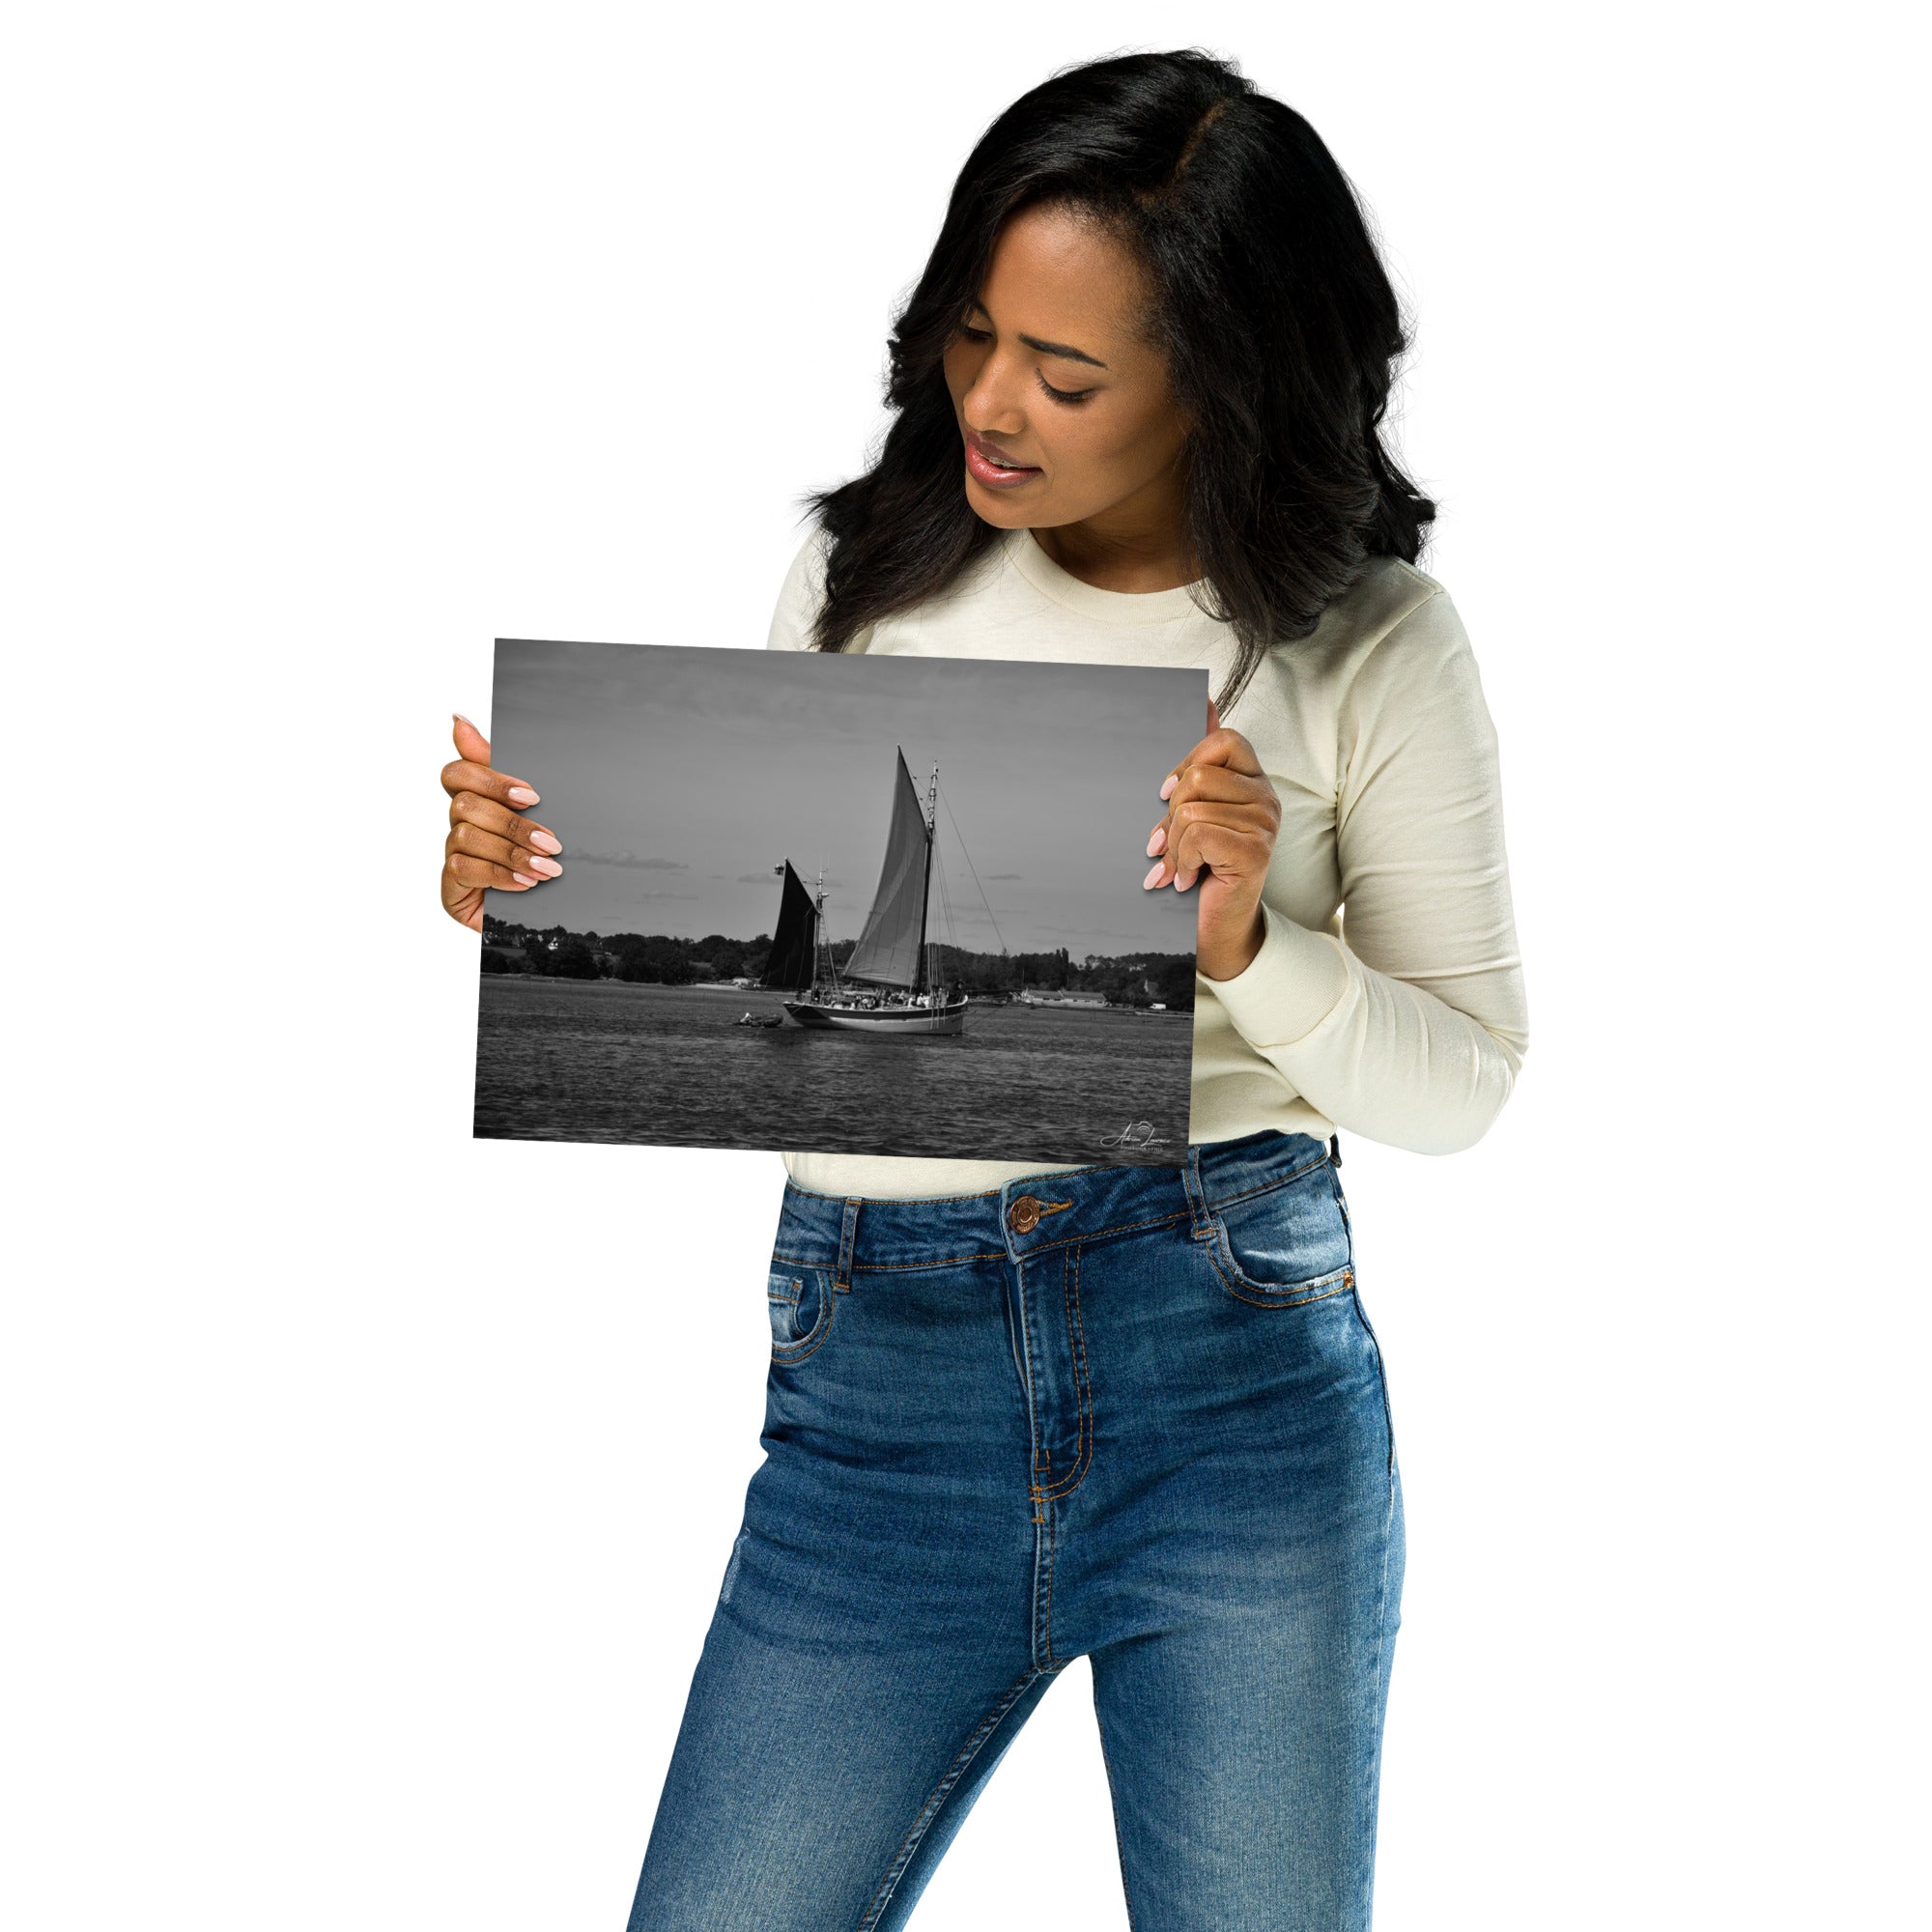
x: 1270, y: 305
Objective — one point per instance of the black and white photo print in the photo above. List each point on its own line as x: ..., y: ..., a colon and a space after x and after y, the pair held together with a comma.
x: 863, y: 904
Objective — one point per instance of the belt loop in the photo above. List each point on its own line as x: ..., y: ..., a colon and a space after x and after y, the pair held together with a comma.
x: 841, y: 1276
x: 1197, y: 1194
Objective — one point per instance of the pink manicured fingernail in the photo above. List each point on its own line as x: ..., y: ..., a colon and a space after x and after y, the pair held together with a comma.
x: 522, y: 795
x: 461, y: 720
x: 544, y: 843
x: 1159, y: 867
x: 525, y: 879
x: 1159, y: 839
x: 1172, y: 780
x: 548, y: 867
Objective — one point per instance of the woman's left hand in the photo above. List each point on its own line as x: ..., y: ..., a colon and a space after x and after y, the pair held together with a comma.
x: 1222, y: 817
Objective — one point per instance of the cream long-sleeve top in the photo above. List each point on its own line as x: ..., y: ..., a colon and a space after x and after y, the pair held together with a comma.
x: 1387, y: 997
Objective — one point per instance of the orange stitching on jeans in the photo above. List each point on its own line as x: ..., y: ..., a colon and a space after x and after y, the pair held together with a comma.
x: 1220, y: 1251
x: 1043, y: 1618
x: 1118, y: 1228
x: 1046, y: 1631
x: 1083, y: 1454
x: 990, y: 1253
x: 944, y: 1261
x: 1043, y: 1495
x: 1024, y: 1327
x: 816, y: 1339
x: 887, y: 1267
x: 1242, y: 1293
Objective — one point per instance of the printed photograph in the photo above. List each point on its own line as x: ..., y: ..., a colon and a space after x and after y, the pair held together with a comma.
x: 879, y: 905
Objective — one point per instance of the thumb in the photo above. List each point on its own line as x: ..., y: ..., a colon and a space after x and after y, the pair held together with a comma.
x: 470, y: 743
x: 1213, y: 717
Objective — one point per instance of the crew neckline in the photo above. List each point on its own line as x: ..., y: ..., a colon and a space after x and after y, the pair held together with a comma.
x: 1110, y: 606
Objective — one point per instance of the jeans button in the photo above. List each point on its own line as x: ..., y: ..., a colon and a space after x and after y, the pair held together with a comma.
x: 1023, y: 1215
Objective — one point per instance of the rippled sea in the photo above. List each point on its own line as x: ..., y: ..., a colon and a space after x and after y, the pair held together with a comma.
x: 599, y: 1060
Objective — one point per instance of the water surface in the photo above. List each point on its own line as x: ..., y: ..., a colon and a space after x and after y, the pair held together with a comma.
x: 606, y: 1060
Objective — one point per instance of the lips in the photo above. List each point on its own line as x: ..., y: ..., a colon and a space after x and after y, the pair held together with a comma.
x: 994, y: 466
x: 998, y: 458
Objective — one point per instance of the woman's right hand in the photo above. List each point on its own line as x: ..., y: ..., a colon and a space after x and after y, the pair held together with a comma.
x: 490, y: 842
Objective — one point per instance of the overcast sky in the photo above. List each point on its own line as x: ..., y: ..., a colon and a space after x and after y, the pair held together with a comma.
x: 678, y: 776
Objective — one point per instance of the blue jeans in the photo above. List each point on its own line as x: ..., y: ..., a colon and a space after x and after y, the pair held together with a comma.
x: 1135, y: 1414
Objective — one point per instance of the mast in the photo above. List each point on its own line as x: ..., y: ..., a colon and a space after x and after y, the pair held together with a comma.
x: 921, y: 984
x: 820, y: 935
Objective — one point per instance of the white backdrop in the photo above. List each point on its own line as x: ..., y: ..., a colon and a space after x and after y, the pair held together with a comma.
x: 368, y: 1487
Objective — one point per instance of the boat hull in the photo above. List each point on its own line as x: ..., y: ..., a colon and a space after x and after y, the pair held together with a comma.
x: 950, y: 1019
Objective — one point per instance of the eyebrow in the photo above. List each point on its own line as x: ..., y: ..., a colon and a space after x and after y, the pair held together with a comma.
x: 1066, y: 349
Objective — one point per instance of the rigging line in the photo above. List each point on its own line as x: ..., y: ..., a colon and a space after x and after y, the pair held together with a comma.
x: 946, y: 907
x: 975, y: 870
x: 825, y: 933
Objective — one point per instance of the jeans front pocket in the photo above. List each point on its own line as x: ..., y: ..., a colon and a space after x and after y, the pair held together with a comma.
x: 1284, y: 1242
x: 801, y: 1301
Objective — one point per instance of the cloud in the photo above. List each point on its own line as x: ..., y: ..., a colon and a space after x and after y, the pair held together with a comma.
x: 628, y: 859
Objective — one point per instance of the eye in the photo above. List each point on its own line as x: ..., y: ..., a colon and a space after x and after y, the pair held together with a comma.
x: 1068, y: 396
x: 1065, y: 395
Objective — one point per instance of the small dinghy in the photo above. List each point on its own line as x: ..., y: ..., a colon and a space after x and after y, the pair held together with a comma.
x: 747, y: 1018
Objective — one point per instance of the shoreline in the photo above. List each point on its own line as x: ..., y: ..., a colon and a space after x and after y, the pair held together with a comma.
x: 750, y: 993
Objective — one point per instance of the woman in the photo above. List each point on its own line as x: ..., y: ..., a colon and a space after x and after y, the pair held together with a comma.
x: 1020, y: 1415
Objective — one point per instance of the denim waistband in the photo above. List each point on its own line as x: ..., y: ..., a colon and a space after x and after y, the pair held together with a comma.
x: 1034, y: 1212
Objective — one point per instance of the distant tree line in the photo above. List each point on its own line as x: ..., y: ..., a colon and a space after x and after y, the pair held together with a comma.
x: 654, y: 957
x: 659, y: 960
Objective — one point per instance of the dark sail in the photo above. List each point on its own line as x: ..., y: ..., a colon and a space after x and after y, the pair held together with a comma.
x: 888, y: 951
x: 795, y: 945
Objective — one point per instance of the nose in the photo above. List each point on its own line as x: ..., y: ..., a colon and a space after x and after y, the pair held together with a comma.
x: 989, y: 407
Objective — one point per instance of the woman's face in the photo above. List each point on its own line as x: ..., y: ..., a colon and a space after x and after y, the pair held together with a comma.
x: 1047, y: 372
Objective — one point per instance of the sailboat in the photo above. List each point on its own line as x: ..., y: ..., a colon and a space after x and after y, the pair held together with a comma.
x: 888, y: 984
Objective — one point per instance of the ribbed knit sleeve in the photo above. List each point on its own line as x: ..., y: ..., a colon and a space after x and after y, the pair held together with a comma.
x: 1410, y: 1026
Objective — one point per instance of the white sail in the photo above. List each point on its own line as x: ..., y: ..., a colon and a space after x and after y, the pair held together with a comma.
x: 889, y: 948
